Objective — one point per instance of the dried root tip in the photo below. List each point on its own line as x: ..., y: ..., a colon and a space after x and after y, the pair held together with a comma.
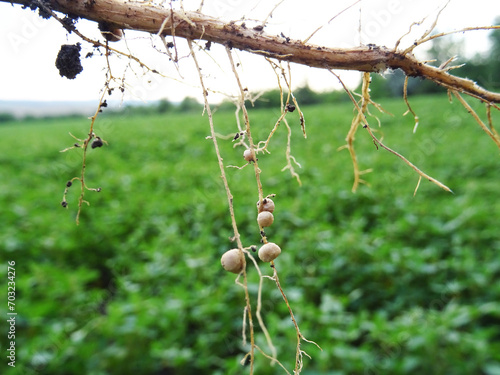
x: 265, y: 219
x: 268, y: 252
x: 233, y: 261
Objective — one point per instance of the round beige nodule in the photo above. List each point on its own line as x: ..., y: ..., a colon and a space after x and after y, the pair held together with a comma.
x: 233, y: 261
x: 269, y: 252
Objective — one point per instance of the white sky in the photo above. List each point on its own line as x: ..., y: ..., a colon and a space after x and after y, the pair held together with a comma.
x: 29, y: 46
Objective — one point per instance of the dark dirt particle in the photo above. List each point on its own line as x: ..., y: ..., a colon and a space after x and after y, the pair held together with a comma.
x: 43, y: 7
x: 69, y: 23
x: 68, y: 61
x: 97, y: 143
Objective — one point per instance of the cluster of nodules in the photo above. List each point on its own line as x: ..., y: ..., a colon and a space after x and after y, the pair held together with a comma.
x: 234, y: 261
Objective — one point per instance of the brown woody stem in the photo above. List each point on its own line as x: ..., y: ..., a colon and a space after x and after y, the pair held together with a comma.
x: 146, y: 17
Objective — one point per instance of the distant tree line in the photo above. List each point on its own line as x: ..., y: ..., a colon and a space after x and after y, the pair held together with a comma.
x: 269, y: 99
x: 188, y: 104
x: 305, y: 96
x: 7, y: 117
x: 158, y: 107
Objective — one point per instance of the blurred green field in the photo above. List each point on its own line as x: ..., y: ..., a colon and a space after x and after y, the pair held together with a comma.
x: 384, y: 282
